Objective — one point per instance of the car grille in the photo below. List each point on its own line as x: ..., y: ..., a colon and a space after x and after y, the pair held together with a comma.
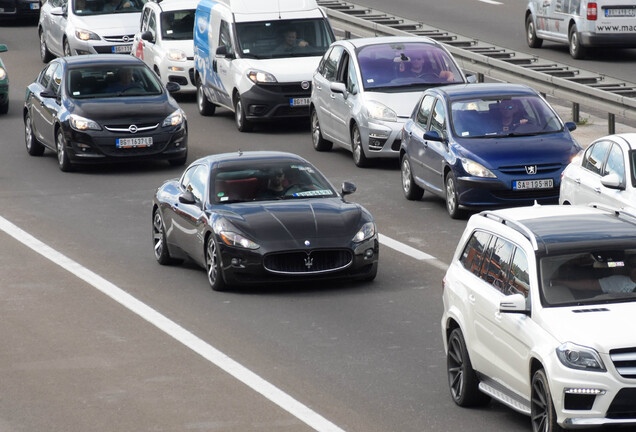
x: 125, y: 128
x: 624, y: 405
x: 307, y: 262
x: 287, y: 89
x: 541, y: 169
x: 120, y: 38
x: 625, y: 361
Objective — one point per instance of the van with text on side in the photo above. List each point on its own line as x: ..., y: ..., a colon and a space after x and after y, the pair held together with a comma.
x: 257, y: 57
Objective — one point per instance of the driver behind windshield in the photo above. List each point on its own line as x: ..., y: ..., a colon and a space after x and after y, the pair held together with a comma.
x: 275, y: 184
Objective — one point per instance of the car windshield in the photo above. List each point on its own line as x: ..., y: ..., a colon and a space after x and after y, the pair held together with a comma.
x: 503, y: 116
x: 102, y: 7
x: 107, y: 81
x: 283, y: 38
x: 587, y: 278
x: 268, y: 181
x: 406, y: 65
x: 177, y: 25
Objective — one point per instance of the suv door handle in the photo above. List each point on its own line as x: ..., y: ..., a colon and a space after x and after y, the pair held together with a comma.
x: 597, y: 190
x: 577, y: 180
x: 471, y: 298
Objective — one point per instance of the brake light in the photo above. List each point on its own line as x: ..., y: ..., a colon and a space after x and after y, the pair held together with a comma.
x: 591, y: 11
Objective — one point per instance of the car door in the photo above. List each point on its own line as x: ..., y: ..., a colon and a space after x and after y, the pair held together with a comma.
x: 322, y: 91
x: 434, y: 152
x: 415, y: 145
x: 615, y: 164
x: 43, y: 108
x: 139, y: 43
x: 586, y: 180
x: 188, y: 219
x: 222, y: 65
x: 57, y: 28
x: 150, y: 48
x: 343, y: 104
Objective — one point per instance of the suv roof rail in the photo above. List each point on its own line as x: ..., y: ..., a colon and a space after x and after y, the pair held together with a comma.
x: 513, y: 224
x: 617, y: 211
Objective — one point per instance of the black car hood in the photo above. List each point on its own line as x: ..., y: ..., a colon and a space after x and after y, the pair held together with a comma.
x: 298, y: 220
x: 132, y: 109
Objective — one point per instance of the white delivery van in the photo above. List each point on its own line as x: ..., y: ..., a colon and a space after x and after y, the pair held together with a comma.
x: 257, y: 57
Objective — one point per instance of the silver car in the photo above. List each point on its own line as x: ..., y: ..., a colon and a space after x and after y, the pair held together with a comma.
x: 365, y: 89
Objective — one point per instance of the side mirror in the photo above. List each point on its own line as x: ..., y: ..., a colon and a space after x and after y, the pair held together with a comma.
x: 222, y: 52
x: 48, y: 94
x: 612, y: 181
x: 515, y: 303
x: 3, y: 48
x: 57, y: 11
x: 348, y: 188
x: 187, y: 198
x: 172, y: 87
x: 338, y: 87
x: 471, y: 78
x: 147, y: 36
x: 432, y: 136
x: 570, y: 126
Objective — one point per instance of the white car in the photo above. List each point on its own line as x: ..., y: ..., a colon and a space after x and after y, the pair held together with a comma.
x: 164, y: 41
x: 74, y: 27
x: 605, y: 174
x: 539, y: 306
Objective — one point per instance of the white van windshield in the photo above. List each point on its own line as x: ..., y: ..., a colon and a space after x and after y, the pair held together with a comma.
x: 284, y: 38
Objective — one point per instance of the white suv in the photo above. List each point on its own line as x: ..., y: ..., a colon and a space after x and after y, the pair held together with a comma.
x: 164, y: 41
x: 73, y: 27
x: 539, y: 309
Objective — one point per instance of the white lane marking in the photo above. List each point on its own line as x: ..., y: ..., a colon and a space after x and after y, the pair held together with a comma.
x: 493, y: 2
x: 412, y: 252
x: 213, y: 355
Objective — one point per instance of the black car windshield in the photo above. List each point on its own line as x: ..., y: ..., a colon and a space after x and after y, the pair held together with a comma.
x: 588, y: 278
x: 283, y: 38
x: 107, y: 81
x: 103, y: 7
x: 503, y: 116
x: 405, y: 64
x: 268, y: 181
x: 177, y: 25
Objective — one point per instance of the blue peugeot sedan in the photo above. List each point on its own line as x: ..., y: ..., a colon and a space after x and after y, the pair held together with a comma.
x: 485, y: 146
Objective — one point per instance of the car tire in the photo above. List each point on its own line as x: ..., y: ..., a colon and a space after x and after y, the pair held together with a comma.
x: 206, y: 108
x: 67, y: 49
x: 213, y: 265
x: 162, y: 255
x: 531, y: 34
x: 462, y: 379
x: 242, y: 123
x: 4, y: 107
x: 359, y: 158
x: 45, y: 54
x: 412, y: 191
x: 63, y: 160
x: 542, y: 413
x: 33, y: 146
x: 577, y: 51
x: 320, y: 144
x: 452, y: 198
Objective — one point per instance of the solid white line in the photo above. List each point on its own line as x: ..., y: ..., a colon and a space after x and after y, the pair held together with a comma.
x: 493, y: 2
x: 213, y: 355
x: 412, y: 252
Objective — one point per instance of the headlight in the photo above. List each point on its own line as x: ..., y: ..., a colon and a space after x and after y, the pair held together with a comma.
x: 176, y: 55
x: 174, y: 119
x: 261, y: 77
x: 366, y: 232
x: 380, y: 111
x: 81, y: 124
x: 3, y: 73
x: 476, y: 169
x: 233, y: 239
x: 580, y: 357
x: 86, y: 35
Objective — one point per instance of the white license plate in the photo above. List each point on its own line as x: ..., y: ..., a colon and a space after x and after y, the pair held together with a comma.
x: 620, y: 12
x: 133, y: 142
x: 34, y: 6
x: 121, y: 49
x: 299, y: 102
x: 532, y: 184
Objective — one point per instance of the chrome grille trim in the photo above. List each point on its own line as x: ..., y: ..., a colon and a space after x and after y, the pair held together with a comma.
x: 127, y: 130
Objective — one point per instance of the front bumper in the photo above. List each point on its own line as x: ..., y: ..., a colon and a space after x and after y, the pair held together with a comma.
x: 475, y: 192
x: 181, y: 73
x: 116, y: 44
x: 274, y: 101
x: 19, y: 8
x: 382, y: 139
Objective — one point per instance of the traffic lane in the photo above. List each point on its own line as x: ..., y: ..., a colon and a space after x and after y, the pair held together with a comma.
x: 501, y: 22
x: 74, y: 360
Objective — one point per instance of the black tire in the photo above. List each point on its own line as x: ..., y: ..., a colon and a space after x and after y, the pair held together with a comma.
x: 412, y: 191
x: 531, y: 34
x: 213, y: 265
x: 452, y: 198
x: 67, y: 49
x: 242, y: 123
x: 359, y: 158
x: 577, y: 51
x: 162, y: 255
x: 205, y: 107
x: 63, y: 160
x: 45, y: 54
x: 4, y: 107
x: 320, y: 144
x: 33, y: 146
x: 542, y: 413
x: 462, y: 380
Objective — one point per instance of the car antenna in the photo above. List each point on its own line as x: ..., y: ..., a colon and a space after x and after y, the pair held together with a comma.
x: 240, y: 152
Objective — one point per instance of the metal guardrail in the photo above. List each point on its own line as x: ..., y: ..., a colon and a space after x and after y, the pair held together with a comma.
x: 558, y: 80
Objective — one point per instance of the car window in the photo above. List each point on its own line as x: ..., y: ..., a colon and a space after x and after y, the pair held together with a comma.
x: 330, y: 65
x: 594, y: 156
x: 197, y: 182
x: 177, y: 25
x: 56, y: 80
x: 225, y: 37
x: 187, y: 175
x: 615, y: 163
x: 424, y: 112
x: 519, y: 278
x: 45, y: 76
x: 152, y: 24
x: 144, y: 19
x: 497, y: 264
x: 352, y: 79
x: 473, y: 255
x: 438, y: 119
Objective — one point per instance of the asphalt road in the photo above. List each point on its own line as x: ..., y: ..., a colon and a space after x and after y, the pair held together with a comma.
x: 362, y: 357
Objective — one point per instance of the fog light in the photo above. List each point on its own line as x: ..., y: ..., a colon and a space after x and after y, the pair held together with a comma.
x: 368, y: 253
x: 175, y: 69
x: 588, y: 391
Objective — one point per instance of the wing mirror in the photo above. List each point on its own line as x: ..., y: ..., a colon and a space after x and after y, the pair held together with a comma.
x: 48, y: 94
x: 432, y: 136
x: 514, y: 303
x: 570, y: 126
x: 338, y: 87
x: 172, y: 87
x: 612, y: 181
x: 147, y: 36
x: 187, y: 198
x: 348, y: 188
x: 222, y: 52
